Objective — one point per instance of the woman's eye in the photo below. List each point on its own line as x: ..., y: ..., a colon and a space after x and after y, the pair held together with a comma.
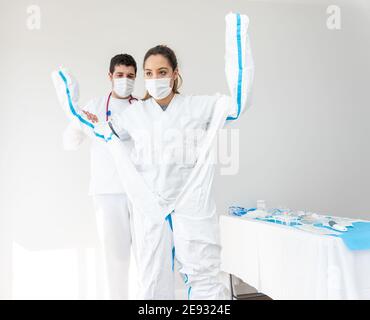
x: 163, y: 73
x: 148, y: 74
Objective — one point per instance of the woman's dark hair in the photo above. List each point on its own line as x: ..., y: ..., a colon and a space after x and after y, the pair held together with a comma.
x: 170, y: 55
x: 122, y: 59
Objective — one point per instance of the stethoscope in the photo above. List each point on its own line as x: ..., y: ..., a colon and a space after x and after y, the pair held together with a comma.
x: 108, y: 113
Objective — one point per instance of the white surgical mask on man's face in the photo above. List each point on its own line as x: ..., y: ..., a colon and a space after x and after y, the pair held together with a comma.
x: 123, y: 87
x: 159, y: 88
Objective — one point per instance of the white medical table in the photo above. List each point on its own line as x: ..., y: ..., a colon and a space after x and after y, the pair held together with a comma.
x: 286, y: 263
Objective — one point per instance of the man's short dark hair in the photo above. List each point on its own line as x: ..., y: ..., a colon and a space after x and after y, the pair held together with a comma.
x: 122, y: 59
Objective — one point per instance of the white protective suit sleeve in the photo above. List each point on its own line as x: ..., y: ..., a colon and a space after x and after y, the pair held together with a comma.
x: 239, y: 71
x: 73, y: 137
x: 239, y: 64
x: 67, y: 90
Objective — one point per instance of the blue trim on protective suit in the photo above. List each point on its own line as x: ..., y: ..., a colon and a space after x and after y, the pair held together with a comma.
x: 82, y: 120
x: 169, y: 219
x: 189, y: 291
x: 173, y: 258
x: 186, y: 278
x: 240, y: 68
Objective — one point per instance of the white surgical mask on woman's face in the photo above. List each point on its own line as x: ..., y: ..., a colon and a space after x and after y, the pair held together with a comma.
x: 159, y: 88
x: 123, y: 87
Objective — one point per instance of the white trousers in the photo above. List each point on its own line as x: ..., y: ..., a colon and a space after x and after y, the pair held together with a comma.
x: 113, y: 225
x: 153, y: 250
x: 192, y: 243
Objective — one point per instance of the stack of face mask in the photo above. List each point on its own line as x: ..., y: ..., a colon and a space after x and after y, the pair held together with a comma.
x: 355, y: 233
x: 289, y: 217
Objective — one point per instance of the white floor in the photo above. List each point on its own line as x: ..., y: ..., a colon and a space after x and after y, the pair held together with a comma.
x: 63, y: 274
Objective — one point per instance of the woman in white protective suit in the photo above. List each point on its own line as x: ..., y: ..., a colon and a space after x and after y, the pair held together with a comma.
x: 169, y: 178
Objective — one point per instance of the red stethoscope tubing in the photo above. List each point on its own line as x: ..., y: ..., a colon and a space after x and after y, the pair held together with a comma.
x: 107, y: 111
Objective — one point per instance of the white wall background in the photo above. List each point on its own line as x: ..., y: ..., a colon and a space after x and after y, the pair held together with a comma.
x: 304, y: 144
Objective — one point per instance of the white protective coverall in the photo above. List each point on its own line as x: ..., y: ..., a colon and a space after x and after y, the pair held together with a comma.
x: 174, y: 214
x: 110, y: 201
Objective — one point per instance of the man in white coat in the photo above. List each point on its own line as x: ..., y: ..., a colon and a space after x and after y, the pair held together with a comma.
x: 110, y: 201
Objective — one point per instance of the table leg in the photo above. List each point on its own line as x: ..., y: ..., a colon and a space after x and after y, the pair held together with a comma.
x: 232, y: 288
